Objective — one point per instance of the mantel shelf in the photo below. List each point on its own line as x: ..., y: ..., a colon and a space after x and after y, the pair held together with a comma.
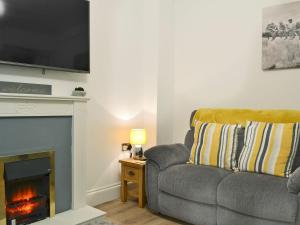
x: 42, y: 97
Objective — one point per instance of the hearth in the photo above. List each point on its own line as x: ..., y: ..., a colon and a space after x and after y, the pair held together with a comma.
x: 27, y: 188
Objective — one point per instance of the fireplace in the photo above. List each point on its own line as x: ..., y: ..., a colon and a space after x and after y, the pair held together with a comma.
x: 31, y: 122
x: 27, y: 188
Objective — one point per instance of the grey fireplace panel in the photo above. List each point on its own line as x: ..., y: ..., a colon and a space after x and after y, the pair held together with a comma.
x: 21, y: 135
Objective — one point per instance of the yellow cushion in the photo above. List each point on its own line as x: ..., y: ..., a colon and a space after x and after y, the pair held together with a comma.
x: 215, y: 144
x: 269, y: 148
x: 241, y: 116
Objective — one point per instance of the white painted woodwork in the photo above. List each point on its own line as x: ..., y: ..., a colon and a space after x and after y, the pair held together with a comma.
x: 15, y: 105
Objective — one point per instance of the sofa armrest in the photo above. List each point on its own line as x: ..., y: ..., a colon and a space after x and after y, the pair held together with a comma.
x: 168, y: 155
x: 293, y: 183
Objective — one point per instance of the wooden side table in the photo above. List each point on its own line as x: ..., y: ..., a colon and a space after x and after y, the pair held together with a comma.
x: 133, y: 171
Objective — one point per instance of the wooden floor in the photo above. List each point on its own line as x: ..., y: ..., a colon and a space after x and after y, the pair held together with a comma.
x: 129, y: 214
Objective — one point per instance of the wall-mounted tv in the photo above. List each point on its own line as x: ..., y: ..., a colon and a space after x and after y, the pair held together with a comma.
x: 50, y: 34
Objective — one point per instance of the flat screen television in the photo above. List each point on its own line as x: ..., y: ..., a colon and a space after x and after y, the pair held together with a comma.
x: 50, y: 34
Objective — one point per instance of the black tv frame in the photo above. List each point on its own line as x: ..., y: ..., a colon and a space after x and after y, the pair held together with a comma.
x: 53, y: 67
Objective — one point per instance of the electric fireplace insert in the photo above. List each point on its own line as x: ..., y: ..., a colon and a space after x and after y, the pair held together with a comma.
x: 27, y: 188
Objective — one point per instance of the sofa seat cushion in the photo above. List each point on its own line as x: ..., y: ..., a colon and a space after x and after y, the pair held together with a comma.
x: 258, y: 195
x: 190, y: 182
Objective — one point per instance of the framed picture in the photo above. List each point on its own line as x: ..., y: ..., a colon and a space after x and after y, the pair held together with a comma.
x: 281, y: 37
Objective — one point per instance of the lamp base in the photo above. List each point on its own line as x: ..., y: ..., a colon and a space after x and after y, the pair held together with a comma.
x: 138, y: 153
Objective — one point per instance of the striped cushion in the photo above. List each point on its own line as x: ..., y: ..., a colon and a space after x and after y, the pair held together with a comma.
x: 269, y: 148
x: 215, y: 144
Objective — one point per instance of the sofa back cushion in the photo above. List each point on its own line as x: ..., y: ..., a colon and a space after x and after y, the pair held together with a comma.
x: 189, y: 139
x: 269, y: 148
x: 241, y: 116
x: 215, y: 144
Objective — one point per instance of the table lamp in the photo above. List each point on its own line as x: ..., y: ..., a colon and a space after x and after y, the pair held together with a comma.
x: 137, y: 138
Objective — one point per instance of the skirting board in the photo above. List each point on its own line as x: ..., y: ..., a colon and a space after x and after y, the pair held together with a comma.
x: 105, y: 194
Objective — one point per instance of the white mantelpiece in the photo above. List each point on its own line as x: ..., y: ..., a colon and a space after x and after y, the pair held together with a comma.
x: 43, y: 97
x: 16, y: 105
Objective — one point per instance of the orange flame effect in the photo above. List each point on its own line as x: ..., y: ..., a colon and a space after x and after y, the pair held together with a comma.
x: 24, y: 194
x: 23, y: 199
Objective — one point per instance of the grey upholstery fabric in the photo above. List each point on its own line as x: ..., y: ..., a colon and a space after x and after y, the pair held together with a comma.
x: 190, y: 182
x: 160, y: 158
x: 188, y: 211
x: 168, y: 155
x: 258, y: 195
x: 191, y: 118
x: 296, y: 162
x: 152, y: 171
x: 298, y: 212
x: 212, y: 196
x: 293, y: 183
x: 189, y: 139
x: 228, y: 217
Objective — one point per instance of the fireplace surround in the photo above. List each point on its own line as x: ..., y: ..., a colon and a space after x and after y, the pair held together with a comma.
x: 23, y: 106
x: 27, y: 188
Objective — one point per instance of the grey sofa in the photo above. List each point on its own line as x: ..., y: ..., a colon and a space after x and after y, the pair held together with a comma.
x: 212, y: 196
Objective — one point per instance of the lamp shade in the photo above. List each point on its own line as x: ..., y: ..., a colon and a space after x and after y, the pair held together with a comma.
x: 137, y: 136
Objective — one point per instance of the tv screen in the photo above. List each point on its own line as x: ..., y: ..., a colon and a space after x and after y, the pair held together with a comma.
x: 51, y: 34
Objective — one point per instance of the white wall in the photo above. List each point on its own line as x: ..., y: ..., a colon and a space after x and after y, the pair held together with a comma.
x: 217, y: 61
x: 122, y: 86
x: 165, y: 73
